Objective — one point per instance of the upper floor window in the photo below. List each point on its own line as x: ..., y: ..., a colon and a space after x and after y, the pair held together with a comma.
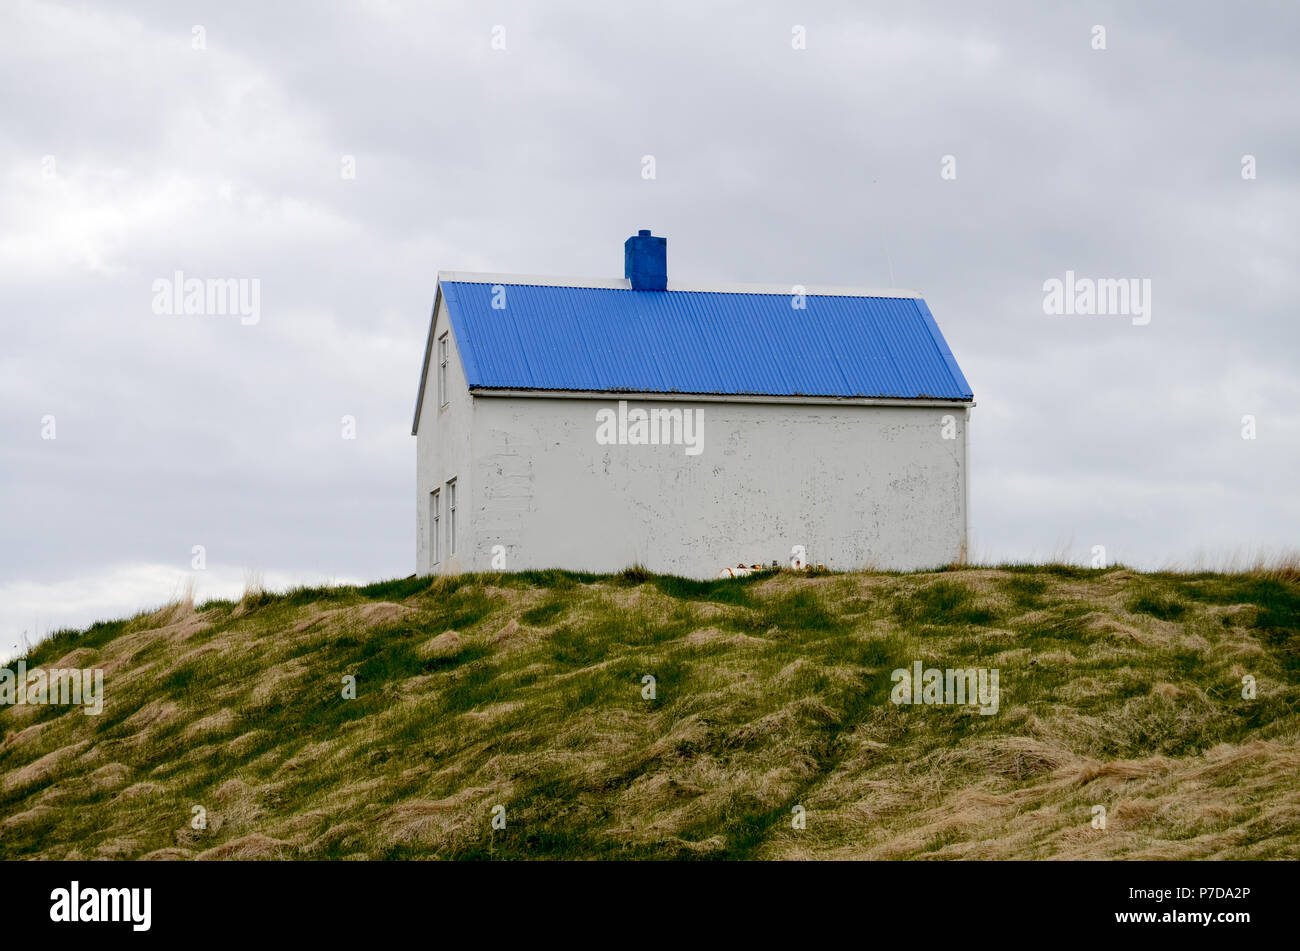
x: 442, y: 370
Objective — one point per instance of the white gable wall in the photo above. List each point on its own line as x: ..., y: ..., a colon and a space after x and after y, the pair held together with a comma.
x: 442, y: 452
x: 857, y: 485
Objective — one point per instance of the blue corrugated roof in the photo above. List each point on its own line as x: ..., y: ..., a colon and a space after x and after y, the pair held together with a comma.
x: 705, y: 342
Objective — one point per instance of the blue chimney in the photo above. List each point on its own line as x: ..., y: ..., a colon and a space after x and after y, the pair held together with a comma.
x: 645, y: 262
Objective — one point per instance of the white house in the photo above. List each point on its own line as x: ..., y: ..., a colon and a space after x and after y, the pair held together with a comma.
x: 597, y: 424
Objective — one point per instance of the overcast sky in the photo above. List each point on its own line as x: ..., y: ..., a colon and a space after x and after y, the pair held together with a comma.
x: 128, y: 154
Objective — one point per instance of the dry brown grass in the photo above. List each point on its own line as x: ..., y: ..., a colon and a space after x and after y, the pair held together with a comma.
x: 1119, y: 689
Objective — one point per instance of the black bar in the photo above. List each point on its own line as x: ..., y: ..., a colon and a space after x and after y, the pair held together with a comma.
x: 914, y: 901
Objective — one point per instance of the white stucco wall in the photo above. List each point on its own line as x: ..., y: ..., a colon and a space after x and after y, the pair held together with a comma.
x: 857, y: 485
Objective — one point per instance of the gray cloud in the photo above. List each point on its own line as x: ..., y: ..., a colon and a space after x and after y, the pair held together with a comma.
x: 813, y: 166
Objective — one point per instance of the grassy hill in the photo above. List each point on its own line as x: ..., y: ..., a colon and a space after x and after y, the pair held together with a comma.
x: 1117, y: 689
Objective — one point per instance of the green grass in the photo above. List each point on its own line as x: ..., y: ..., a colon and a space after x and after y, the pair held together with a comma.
x: 771, y: 691
x: 1157, y: 605
x: 942, y: 603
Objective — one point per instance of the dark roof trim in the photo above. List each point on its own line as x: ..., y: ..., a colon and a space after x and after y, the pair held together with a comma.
x: 428, y: 353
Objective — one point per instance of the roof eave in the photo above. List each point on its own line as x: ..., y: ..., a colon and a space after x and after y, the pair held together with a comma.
x: 529, y: 393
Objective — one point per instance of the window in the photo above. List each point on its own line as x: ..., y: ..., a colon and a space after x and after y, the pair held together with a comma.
x: 451, y: 517
x: 442, y: 370
x: 435, y: 540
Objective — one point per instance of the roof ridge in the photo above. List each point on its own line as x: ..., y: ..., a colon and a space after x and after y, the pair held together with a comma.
x: 696, y: 287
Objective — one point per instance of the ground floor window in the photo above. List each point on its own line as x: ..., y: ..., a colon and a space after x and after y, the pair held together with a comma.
x: 435, y: 535
x: 451, y: 517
